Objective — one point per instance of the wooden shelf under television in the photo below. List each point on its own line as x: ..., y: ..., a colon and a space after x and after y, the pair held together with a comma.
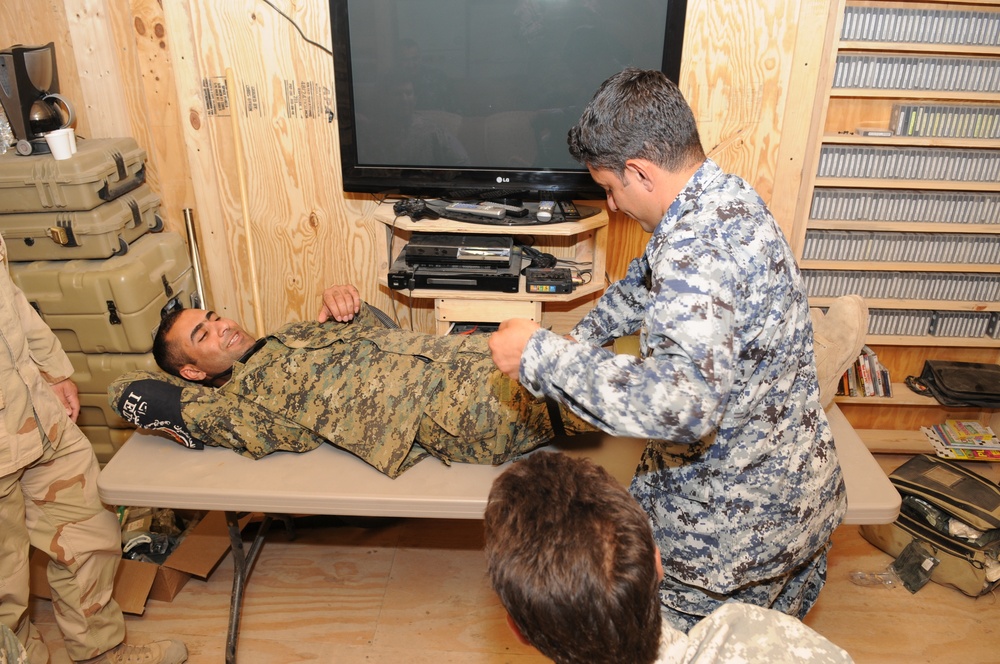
x: 582, y: 241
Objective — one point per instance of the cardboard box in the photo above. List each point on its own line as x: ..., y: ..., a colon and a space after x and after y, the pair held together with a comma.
x: 198, y: 554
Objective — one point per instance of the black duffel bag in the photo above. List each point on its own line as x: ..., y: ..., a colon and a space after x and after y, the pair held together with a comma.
x: 959, y: 384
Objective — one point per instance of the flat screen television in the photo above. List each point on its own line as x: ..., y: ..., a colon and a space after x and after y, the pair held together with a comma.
x: 472, y: 99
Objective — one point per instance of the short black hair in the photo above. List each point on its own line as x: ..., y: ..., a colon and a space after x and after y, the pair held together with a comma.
x: 168, y: 355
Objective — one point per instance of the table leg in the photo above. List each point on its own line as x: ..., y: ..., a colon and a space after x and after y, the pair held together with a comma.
x: 242, y: 566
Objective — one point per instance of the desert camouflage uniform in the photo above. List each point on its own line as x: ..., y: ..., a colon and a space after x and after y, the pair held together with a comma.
x: 738, y: 633
x: 740, y: 478
x: 388, y: 396
x: 48, y: 492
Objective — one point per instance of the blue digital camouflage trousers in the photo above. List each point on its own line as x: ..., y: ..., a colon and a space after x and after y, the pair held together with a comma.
x: 794, y: 594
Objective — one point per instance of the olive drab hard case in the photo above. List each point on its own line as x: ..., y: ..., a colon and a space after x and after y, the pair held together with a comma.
x: 112, y: 305
x: 101, y: 170
x: 93, y: 373
x: 101, y: 232
x: 105, y: 440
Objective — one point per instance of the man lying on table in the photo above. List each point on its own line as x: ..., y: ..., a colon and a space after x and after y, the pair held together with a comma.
x: 389, y: 396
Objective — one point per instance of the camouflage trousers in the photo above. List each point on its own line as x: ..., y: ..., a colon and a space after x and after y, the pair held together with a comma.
x: 53, y: 505
x: 499, y: 423
x: 793, y: 594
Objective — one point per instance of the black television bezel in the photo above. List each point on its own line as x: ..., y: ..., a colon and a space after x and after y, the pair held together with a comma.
x: 448, y: 183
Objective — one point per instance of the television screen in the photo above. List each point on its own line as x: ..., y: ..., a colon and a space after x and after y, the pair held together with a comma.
x: 474, y: 98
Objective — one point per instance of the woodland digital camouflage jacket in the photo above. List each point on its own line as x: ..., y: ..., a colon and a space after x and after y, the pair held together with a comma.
x: 389, y: 396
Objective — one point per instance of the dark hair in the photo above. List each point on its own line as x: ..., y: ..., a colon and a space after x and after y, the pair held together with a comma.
x: 168, y: 356
x: 636, y: 114
x: 571, y: 555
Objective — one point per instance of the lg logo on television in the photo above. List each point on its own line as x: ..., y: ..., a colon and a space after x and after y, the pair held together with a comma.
x: 502, y: 180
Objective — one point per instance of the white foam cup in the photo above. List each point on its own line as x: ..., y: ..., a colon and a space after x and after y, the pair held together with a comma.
x: 61, y: 142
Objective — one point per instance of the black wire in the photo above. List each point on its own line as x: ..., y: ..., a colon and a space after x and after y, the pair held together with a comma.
x: 296, y: 26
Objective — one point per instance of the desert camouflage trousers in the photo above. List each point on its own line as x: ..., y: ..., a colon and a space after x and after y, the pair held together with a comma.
x: 53, y: 505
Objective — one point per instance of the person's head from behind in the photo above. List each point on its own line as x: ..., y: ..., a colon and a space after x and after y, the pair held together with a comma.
x: 571, y: 555
x: 637, y: 118
x: 199, y: 345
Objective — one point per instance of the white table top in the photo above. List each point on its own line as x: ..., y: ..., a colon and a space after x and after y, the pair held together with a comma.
x: 154, y: 471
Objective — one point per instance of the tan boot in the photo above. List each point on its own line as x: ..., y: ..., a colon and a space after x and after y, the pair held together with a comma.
x: 838, y: 338
x: 158, y: 652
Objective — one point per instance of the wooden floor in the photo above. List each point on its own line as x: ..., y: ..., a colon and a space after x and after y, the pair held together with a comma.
x: 415, y: 591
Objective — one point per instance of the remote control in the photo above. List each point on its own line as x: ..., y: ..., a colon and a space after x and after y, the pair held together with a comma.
x: 545, y: 210
x: 569, y: 210
x: 512, y: 210
x: 478, y: 209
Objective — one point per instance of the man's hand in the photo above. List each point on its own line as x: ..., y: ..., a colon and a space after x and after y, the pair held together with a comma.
x: 69, y: 395
x: 508, y: 342
x: 340, y: 303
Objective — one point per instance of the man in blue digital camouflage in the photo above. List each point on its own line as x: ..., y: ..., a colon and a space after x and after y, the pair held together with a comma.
x: 389, y: 396
x: 740, y: 477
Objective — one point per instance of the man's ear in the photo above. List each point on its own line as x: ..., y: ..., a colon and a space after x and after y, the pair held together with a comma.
x: 642, y: 171
x: 517, y: 633
x: 192, y: 373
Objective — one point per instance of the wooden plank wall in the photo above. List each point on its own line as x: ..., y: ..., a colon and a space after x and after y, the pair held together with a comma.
x: 230, y: 102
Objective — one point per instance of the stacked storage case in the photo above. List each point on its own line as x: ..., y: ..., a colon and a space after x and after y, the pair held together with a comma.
x: 85, y: 245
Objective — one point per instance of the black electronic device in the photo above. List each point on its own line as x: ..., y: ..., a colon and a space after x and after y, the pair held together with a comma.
x: 569, y: 210
x: 548, y: 280
x: 439, y: 97
x: 458, y: 277
x: 455, y: 249
x: 414, y: 208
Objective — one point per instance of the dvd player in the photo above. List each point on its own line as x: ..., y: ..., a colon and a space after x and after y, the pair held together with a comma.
x: 505, y: 279
x: 454, y: 249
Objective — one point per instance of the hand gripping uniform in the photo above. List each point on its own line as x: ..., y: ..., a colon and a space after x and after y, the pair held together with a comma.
x: 740, y: 477
x: 388, y: 396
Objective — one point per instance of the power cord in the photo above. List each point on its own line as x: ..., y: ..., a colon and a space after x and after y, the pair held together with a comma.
x: 296, y: 26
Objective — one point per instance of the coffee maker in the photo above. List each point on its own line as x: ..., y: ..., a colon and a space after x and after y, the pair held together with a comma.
x: 29, y: 92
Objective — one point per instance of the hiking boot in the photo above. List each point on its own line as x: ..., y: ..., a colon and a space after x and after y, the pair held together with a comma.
x: 838, y: 338
x: 158, y: 652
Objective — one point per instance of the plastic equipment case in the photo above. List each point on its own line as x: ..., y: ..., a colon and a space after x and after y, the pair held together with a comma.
x: 105, y: 440
x: 104, y: 231
x: 93, y: 373
x: 101, y: 170
x: 113, y: 305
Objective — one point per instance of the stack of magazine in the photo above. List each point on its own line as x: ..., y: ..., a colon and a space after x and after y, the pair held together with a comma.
x: 965, y: 440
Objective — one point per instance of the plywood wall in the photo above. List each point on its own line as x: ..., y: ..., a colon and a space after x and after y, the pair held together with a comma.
x: 231, y: 103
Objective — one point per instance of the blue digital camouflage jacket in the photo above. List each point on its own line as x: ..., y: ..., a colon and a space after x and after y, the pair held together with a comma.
x: 740, y: 476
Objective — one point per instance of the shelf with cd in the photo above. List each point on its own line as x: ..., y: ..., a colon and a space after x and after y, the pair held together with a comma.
x: 900, y: 193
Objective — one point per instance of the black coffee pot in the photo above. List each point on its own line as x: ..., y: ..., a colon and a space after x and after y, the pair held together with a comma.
x: 29, y: 92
